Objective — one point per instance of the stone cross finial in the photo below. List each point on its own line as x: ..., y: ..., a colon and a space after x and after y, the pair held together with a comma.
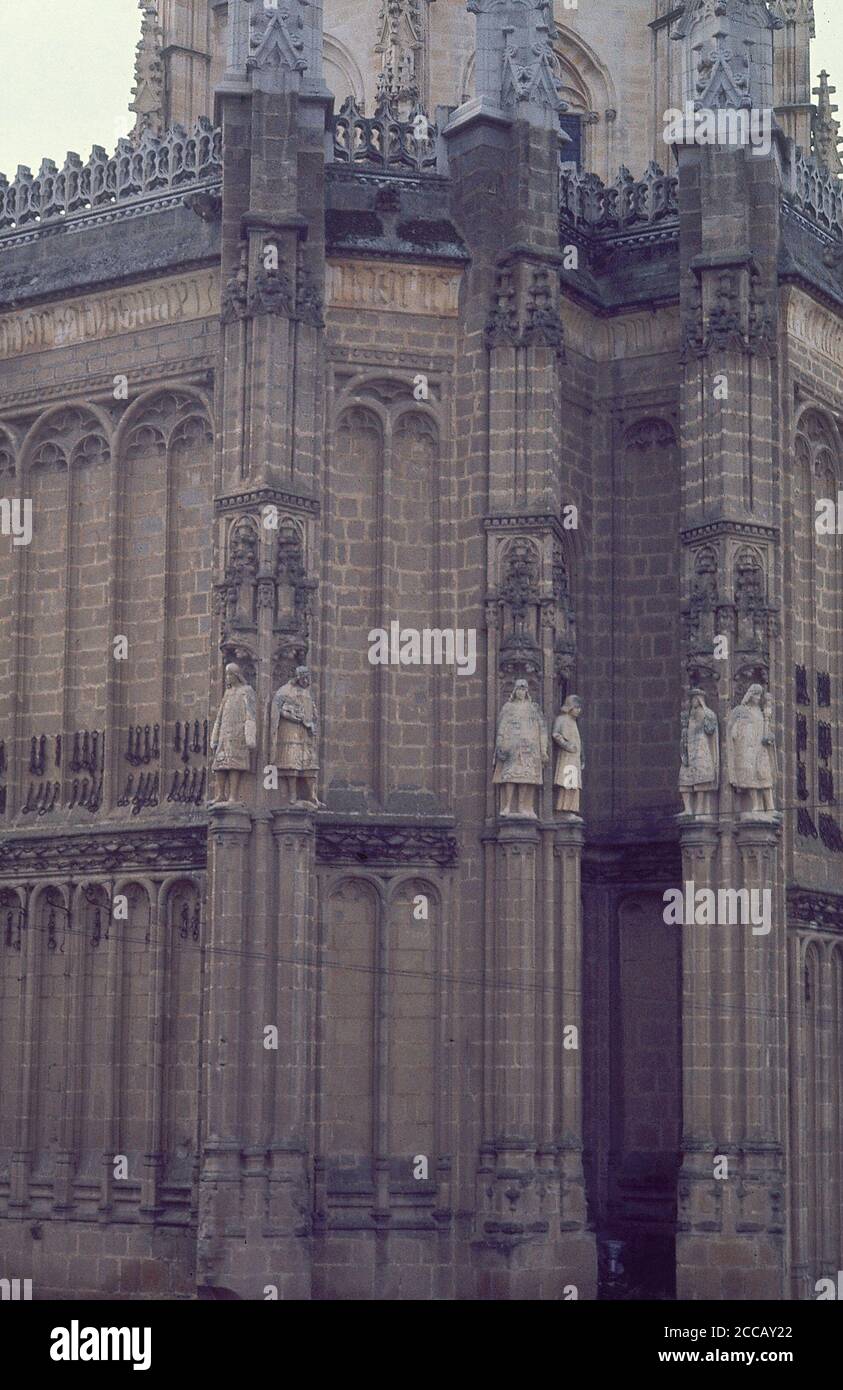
x: 728, y: 53
x: 516, y: 67
x: 148, y: 91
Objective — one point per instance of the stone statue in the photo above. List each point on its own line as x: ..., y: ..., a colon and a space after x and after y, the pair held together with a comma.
x: 521, y: 751
x: 234, y: 734
x: 570, y: 763
x: 752, y: 755
x: 293, y: 734
x: 699, y: 773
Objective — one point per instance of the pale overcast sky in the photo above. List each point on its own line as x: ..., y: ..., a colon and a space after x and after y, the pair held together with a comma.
x: 68, y: 69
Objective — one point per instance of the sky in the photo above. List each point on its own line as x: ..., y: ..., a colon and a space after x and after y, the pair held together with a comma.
x: 68, y: 69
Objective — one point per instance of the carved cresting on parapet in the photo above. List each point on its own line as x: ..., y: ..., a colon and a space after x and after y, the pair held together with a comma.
x: 153, y: 164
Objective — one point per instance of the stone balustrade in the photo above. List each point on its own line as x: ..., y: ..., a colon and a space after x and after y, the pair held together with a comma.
x: 595, y: 207
x: 816, y: 193
x: 155, y: 165
x: 385, y: 141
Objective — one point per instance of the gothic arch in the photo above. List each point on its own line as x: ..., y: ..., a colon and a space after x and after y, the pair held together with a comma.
x: 818, y: 427
x: 646, y: 524
x: 414, y: 416
x: 648, y: 1113
x: 349, y: 989
x: 343, y: 877
x: 361, y: 410
x: 60, y: 430
x: 180, y: 1004
x: 338, y: 58
x: 814, y: 568
x: 418, y: 880
x: 162, y: 411
x: 357, y: 485
x: 93, y: 906
x: 8, y: 458
x: 164, y: 490
x: 813, y: 1101
x: 413, y: 1008
x: 11, y: 1008
x: 650, y: 432
x: 183, y: 910
x: 388, y: 396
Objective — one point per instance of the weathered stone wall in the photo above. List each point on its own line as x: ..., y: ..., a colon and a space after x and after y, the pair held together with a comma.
x: 422, y: 391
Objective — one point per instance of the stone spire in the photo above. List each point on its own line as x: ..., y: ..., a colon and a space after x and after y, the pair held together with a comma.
x: 148, y: 90
x: 728, y: 53
x: 401, y: 47
x: 826, y: 129
x: 517, y: 70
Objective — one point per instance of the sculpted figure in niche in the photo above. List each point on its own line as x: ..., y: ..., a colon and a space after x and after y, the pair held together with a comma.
x: 570, y: 763
x: 293, y: 731
x: 699, y: 773
x: 234, y: 734
x: 704, y: 598
x: 752, y: 751
x: 521, y: 751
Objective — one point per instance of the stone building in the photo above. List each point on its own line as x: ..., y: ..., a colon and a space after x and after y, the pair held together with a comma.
x: 368, y: 322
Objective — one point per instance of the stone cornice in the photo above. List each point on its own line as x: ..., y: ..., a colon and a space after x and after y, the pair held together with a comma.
x: 266, y: 496
x: 387, y: 842
x: 162, y: 849
x: 526, y: 521
x: 192, y: 371
x: 750, y: 530
x: 103, y: 217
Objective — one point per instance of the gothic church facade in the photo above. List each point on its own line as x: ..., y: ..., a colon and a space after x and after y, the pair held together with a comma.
x: 368, y: 322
